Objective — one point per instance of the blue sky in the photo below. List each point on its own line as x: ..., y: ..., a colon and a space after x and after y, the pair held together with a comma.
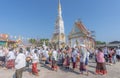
x: 36, y: 18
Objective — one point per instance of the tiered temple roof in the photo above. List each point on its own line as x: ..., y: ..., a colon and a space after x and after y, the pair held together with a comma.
x: 82, y: 27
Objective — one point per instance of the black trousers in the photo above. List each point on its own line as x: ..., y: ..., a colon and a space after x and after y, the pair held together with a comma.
x: 19, y: 72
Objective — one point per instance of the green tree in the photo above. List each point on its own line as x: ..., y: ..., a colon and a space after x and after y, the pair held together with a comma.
x: 100, y: 42
x: 44, y: 40
x: 32, y: 41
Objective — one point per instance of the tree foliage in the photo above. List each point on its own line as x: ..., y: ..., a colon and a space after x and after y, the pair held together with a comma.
x: 32, y: 41
x: 46, y: 41
x: 100, y: 42
x: 39, y: 42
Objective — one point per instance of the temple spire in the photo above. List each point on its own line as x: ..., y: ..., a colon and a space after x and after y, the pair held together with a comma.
x: 59, y: 35
x: 59, y: 8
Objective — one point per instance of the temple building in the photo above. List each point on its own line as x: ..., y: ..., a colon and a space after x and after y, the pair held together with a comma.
x: 6, y: 41
x: 3, y: 39
x: 80, y: 35
x: 59, y: 36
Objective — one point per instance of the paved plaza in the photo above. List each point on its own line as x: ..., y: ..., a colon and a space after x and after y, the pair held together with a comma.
x: 46, y: 72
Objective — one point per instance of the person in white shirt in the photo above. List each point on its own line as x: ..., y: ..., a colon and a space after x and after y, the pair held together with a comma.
x: 35, y: 61
x: 10, y: 59
x: 28, y: 57
x: 118, y: 54
x: 46, y: 55
x: 74, y: 57
x: 54, y: 60
x: 2, y: 57
x: 105, y: 50
x: 20, y: 63
x: 84, y: 58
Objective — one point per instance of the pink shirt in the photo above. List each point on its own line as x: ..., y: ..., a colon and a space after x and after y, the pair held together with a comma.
x: 100, y: 57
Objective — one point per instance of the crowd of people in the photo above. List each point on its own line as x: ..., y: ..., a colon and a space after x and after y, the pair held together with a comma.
x: 75, y: 58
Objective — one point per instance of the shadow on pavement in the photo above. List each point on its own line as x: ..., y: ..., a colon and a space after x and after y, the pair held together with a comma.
x: 47, y: 66
x: 68, y: 70
x: 92, y: 72
x: 14, y: 75
x: 92, y: 66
